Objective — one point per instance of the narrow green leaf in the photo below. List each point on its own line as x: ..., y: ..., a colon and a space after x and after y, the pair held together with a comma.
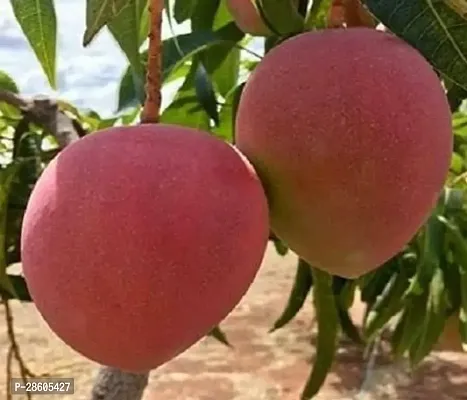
x: 280, y: 247
x: 219, y: 335
x: 374, y: 283
x: 20, y: 289
x: 328, y: 328
x: 317, y: 16
x: 346, y: 295
x: 436, y: 315
x: 131, y: 90
x: 463, y: 318
x: 126, y: 30
x: 348, y: 327
x: 281, y: 16
x: 414, y: 317
x: 226, y: 129
x: 301, y: 287
x: 433, y: 248
x: 145, y: 25
x: 460, y: 257
x: 456, y: 95
x: 204, y: 14
x: 225, y: 76
x: 38, y: 22
x: 237, y: 94
x: 98, y: 14
x: 396, y: 336
x: 388, y: 305
x: 7, y: 176
x: 185, y: 109
x: 223, y: 15
x: 177, y: 50
x: 183, y: 10
x: 205, y: 93
x: 438, y: 32
x: 8, y: 83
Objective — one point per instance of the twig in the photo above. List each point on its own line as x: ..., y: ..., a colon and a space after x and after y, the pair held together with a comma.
x: 13, y: 99
x: 367, y: 380
x: 251, y: 52
x: 9, y: 367
x: 15, y: 351
x: 459, y: 178
x: 45, y: 112
x: 153, y: 100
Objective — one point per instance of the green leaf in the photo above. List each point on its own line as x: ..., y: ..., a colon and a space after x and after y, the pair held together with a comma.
x: 388, y: 304
x: 463, y: 318
x: 219, y: 335
x: 348, y: 327
x: 176, y: 51
x: 457, y: 163
x: 225, y: 73
x: 131, y: 91
x: 459, y: 122
x: 456, y: 95
x: 237, y: 94
x: 433, y: 248
x: 205, y: 93
x: 185, y: 109
x: 98, y: 14
x: 20, y: 289
x: 280, y: 247
x: 413, y: 320
x: 179, y: 49
x: 223, y: 15
x: 38, y: 22
x: 300, y: 289
x: 144, y: 26
x: 347, y: 294
x: 317, y: 16
x: 328, y: 328
x: 460, y: 257
x: 281, y: 16
x: 226, y: 129
x: 436, y: 315
x: 7, y: 176
x: 438, y: 32
x: 398, y: 331
x: 204, y: 14
x: 374, y: 283
x: 459, y: 6
x: 183, y: 10
x: 8, y: 83
x: 126, y: 29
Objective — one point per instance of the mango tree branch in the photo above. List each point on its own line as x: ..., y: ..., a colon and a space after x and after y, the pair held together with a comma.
x: 45, y: 112
x: 14, y: 350
x: 153, y: 100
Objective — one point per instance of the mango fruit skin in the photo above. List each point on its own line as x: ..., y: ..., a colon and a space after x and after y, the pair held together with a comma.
x: 137, y: 241
x: 350, y: 132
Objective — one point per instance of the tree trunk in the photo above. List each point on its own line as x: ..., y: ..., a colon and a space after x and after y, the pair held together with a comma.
x: 113, y: 384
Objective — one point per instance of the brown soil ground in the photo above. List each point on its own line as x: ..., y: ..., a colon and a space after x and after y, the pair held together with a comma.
x: 261, y: 366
